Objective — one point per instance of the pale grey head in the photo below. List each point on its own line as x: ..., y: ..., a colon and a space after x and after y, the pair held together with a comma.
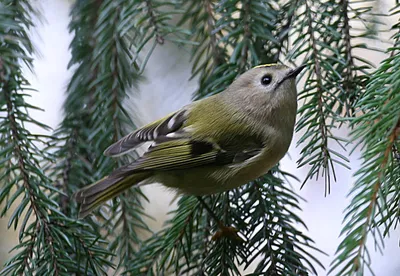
x: 267, y: 78
x: 266, y: 90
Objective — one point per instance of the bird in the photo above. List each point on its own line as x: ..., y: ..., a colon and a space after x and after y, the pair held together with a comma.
x: 210, y: 145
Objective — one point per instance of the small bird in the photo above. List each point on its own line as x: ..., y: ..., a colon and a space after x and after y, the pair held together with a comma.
x: 211, y: 145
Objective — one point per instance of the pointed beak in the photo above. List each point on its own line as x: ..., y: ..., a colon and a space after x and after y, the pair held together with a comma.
x: 293, y: 73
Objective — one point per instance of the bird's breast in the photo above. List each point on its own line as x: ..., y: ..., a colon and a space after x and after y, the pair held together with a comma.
x: 254, y: 167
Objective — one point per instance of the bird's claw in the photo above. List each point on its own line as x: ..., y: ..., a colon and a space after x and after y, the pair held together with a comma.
x: 228, y: 232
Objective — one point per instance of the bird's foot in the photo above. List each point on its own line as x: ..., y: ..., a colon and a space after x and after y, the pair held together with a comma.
x: 228, y: 232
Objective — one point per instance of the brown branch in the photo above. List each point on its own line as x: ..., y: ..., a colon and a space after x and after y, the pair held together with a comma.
x: 210, y: 26
x: 153, y: 20
x: 18, y: 151
x: 349, y: 82
x: 15, y: 137
x: 318, y: 72
x: 395, y: 150
x: 396, y: 153
x: 71, y: 146
x: 77, y: 236
x: 30, y: 250
x: 17, y: 142
x: 182, y: 232
x: 117, y: 128
x: 375, y: 189
x: 247, y: 35
x: 72, y: 139
x: 285, y: 30
x: 116, y: 123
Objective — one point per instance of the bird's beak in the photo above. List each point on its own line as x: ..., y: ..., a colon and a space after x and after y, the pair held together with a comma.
x: 293, y: 73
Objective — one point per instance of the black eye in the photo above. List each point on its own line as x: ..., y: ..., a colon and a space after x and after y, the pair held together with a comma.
x: 266, y: 79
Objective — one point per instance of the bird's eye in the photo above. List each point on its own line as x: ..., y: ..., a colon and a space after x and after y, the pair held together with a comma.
x: 266, y: 79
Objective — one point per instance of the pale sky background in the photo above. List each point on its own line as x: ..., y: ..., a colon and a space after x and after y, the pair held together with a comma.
x: 166, y: 89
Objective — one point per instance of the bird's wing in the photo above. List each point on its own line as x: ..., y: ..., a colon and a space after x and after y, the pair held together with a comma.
x: 179, y: 154
x: 184, y: 154
x: 158, y: 130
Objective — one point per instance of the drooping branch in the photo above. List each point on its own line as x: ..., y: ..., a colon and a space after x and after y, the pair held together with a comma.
x: 154, y: 22
x: 348, y: 73
x: 210, y: 27
x: 374, y: 196
x: 373, y: 209
x: 43, y: 245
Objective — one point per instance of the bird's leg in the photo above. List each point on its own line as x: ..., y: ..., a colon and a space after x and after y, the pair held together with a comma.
x: 224, y: 231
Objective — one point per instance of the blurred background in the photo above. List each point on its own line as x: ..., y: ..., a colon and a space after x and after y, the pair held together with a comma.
x: 167, y: 87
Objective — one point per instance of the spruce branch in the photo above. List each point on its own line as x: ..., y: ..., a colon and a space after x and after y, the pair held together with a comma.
x: 149, y: 24
x: 396, y: 153
x: 96, y: 117
x: 207, y: 54
x: 258, y: 26
x: 362, y: 217
x: 375, y: 195
x: 153, y: 21
x: 348, y: 73
x: 226, y: 254
x: 325, y: 156
x: 336, y: 79
x: 273, y: 206
x: 44, y: 245
x: 256, y: 36
x: 257, y: 23
x: 285, y: 19
x: 318, y: 145
x: 75, y: 154
x: 245, y: 14
x: 112, y: 43
x: 112, y: 57
x: 178, y: 247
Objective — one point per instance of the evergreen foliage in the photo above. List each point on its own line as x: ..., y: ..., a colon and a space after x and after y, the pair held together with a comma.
x: 334, y: 81
x: 49, y: 240
x: 374, y: 209
x: 112, y: 42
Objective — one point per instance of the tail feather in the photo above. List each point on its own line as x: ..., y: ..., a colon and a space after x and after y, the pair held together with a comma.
x: 107, y: 188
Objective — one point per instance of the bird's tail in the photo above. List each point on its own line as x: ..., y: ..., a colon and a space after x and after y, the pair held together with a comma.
x: 99, y: 192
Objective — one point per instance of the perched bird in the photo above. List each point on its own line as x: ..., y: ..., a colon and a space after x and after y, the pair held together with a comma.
x: 211, y: 145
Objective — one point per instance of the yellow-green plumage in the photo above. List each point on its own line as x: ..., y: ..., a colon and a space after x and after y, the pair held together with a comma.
x: 211, y: 145
x: 112, y: 189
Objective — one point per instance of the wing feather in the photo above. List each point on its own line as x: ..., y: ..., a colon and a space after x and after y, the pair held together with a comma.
x: 156, y: 130
x: 183, y: 154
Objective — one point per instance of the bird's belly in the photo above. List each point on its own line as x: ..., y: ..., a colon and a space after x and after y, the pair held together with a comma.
x: 209, y: 180
x: 196, y: 181
x: 254, y: 169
